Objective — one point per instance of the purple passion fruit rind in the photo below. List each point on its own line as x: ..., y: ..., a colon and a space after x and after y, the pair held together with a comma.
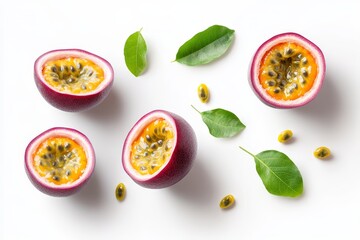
x: 67, y: 100
x: 265, y: 50
x: 180, y: 160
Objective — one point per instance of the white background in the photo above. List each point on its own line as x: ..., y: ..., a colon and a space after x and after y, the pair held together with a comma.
x: 329, y: 207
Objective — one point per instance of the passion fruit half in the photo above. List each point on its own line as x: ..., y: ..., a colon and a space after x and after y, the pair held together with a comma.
x: 287, y: 71
x: 72, y: 79
x: 59, y: 161
x: 159, y: 150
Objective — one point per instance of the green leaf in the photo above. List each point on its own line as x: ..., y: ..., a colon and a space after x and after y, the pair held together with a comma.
x: 278, y: 173
x: 135, y: 53
x: 205, y: 46
x: 221, y: 123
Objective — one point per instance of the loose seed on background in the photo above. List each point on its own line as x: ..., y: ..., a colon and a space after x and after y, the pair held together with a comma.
x: 227, y: 201
x: 120, y: 191
x: 285, y: 136
x: 322, y: 152
x: 203, y: 93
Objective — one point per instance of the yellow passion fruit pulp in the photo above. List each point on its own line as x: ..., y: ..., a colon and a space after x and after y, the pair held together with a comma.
x: 152, y: 148
x: 60, y: 160
x: 73, y: 75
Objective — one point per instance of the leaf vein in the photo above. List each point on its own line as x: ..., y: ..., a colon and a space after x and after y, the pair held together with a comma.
x: 263, y: 163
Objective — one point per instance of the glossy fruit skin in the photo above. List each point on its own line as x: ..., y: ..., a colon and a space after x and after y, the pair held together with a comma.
x: 52, y: 189
x: 264, y: 48
x: 181, y: 160
x: 72, y: 102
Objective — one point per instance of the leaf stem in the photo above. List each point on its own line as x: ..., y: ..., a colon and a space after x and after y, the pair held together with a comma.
x: 246, y: 151
x: 195, y: 109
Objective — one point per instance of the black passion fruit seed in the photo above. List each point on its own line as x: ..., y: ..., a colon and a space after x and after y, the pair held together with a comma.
x: 227, y: 201
x: 203, y: 93
x: 322, y: 152
x: 285, y: 136
x: 120, y: 192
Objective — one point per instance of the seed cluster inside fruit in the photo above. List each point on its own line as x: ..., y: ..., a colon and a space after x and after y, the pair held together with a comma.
x: 153, y: 147
x: 73, y: 75
x: 60, y: 160
x: 287, y: 71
